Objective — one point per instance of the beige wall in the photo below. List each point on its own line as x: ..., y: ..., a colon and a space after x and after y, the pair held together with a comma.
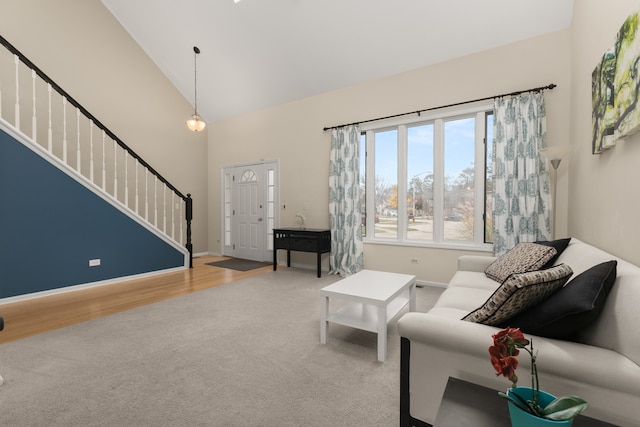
x: 85, y: 50
x: 78, y: 43
x: 293, y: 134
x: 605, y: 195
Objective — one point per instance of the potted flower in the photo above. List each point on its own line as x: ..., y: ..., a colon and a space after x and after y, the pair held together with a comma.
x: 529, y: 405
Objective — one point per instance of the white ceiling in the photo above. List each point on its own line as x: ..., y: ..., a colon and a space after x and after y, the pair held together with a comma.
x: 260, y: 53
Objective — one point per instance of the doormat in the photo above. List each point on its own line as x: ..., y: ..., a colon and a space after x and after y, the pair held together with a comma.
x: 239, y: 264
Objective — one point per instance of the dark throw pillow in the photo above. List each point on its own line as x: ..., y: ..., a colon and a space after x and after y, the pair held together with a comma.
x: 522, y: 258
x: 519, y: 292
x: 559, y: 245
x: 572, y: 308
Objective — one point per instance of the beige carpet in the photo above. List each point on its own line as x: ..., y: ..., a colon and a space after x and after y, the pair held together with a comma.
x: 242, y: 354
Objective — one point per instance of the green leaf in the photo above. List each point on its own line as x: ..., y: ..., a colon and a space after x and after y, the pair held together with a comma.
x: 524, y: 406
x: 520, y: 402
x: 564, y: 408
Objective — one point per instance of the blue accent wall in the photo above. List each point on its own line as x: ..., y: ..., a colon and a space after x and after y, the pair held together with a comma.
x: 51, y: 226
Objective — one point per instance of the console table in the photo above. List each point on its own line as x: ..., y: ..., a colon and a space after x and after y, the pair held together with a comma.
x: 297, y: 239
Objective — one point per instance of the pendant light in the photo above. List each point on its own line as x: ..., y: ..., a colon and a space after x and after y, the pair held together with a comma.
x: 195, y: 123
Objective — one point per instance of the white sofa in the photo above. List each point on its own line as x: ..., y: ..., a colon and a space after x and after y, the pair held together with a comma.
x: 600, y: 364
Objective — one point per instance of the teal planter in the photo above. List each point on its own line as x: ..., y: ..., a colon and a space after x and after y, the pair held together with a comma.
x: 520, y: 418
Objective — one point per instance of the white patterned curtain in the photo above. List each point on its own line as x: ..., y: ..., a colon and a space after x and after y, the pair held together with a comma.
x: 344, y: 215
x: 521, y: 182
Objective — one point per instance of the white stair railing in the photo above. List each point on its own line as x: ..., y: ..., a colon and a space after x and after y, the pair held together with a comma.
x: 108, y: 170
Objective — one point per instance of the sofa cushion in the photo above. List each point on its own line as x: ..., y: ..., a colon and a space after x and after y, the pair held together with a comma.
x: 519, y: 292
x: 522, y: 258
x: 469, y: 279
x: 559, y: 245
x: 466, y: 299
x: 572, y: 308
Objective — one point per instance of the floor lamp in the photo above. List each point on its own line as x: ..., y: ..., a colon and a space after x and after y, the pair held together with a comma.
x: 555, y: 156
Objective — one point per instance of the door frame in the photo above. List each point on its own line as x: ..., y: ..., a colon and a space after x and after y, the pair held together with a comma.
x: 271, y: 183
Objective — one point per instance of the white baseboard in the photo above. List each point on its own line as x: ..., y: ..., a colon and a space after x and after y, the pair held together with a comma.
x: 205, y: 254
x: 422, y: 283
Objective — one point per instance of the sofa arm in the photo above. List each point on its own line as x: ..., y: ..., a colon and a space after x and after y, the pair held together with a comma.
x: 565, y: 359
x: 474, y: 262
x: 451, y: 334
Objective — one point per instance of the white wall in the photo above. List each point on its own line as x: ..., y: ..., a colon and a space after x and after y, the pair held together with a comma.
x: 293, y: 134
x: 81, y: 46
x: 605, y: 195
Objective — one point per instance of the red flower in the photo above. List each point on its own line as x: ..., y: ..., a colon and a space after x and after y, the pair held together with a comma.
x: 504, y: 363
x: 512, y: 338
x: 504, y: 350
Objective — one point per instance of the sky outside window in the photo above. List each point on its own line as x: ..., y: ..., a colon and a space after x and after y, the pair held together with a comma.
x: 459, y: 158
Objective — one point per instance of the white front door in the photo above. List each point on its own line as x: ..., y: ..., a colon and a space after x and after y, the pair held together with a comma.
x: 248, y: 218
x: 249, y: 210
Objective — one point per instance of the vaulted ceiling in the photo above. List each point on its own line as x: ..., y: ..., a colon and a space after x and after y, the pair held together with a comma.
x: 260, y: 53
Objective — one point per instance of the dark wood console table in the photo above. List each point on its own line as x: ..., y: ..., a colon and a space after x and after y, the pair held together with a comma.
x: 297, y: 239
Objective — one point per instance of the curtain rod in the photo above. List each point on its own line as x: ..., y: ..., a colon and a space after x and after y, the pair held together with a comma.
x: 537, y: 89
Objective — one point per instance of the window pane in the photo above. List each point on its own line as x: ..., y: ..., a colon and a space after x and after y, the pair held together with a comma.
x: 420, y: 182
x: 459, y: 184
x: 271, y: 182
x: 488, y: 211
x: 227, y: 209
x: 386, y: 187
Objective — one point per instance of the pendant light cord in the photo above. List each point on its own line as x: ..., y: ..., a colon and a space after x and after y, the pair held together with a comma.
x: 196, y: 51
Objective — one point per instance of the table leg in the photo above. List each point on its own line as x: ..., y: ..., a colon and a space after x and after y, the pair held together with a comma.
x: 288, y: 257
x: 412, y: 297
x: 275, y: 259
x: 382, y: 333
x: 324, y: 314
x: 319, y: 263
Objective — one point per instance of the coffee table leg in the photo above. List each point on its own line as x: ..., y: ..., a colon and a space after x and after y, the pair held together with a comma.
x: 324, y: 314
x: 412, y: 297
x: 382, y: 333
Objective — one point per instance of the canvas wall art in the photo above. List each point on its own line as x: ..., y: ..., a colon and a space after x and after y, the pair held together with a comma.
x: 616, y: 88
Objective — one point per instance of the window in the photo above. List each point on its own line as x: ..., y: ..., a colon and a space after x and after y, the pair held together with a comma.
x: 427, y: 180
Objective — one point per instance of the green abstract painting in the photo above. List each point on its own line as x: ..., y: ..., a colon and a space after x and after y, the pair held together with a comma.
x: 616, y: 89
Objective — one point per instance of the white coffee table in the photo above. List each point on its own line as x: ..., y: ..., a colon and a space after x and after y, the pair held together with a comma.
x: 375, y: 298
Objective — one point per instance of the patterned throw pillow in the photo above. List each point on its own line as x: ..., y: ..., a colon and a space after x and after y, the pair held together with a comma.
x: 522, y: 258
x: 560, y: 245
x: 519, y: 292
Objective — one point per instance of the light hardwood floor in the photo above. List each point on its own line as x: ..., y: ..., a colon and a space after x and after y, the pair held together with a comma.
x: 31, y: 317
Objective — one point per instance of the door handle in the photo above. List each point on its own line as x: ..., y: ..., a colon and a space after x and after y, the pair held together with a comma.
x: 259, y: 219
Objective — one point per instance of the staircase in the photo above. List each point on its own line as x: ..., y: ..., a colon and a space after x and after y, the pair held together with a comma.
x: 41, y: 115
